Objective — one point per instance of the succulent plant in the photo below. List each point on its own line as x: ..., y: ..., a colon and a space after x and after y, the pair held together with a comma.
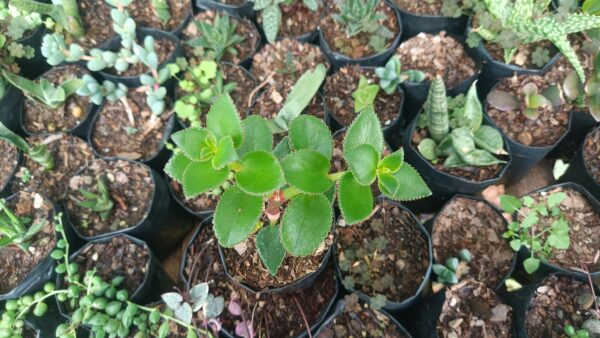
x: 456, y: 130
x: 365, y: 94
x: 451, y: 271
x: 218, y: 36
x: 38, y: 153
x: 99, y: 202
x: 533, y: 102
x: 17, y: 230
x: 391, y: 76
x: 359, y: 16
x: 44, y: 92
x: 271, y: 14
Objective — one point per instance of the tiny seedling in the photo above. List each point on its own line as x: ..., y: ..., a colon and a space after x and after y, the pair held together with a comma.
x: 17, y: 230
x: 216, y: 38
x: 392, y: 75
x: 532, y: 230
x: 450, y: 272
x: 456, y: 130
x: 43, y: 91
x: 365, y: 94
x: 199, y: 299
x: 99, y: 202
x: 271, y: 16
x: 38, y: 153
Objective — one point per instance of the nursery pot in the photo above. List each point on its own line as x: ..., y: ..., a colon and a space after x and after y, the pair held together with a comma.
x: 547, y: 268
x: 6, y: 190
x: 188, y: 18
x: 444, y: 185
x: 163, y: 225
x: 524, y: 157
x: 416, y: 92
x: 339, y: 60
x: 11, y: 105
x: 156, y: 281
x: 339, y: 308
x: 43, y: 272
x: 579, y: 173
x: 245, y: 10
x: 134, y: 80
x: 521, y: 300
x: 581, y: 123
x: 203, y: 215
x: 32, y: 68
x: 413, y: 24
x: 391, y: 305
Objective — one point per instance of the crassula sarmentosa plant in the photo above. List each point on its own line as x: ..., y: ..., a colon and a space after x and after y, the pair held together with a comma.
x: 284, y: 194
x: 456, y: 130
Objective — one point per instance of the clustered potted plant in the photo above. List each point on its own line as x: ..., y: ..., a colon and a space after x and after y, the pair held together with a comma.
x: 287, y: 168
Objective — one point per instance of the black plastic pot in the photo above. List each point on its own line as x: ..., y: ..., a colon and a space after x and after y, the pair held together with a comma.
x: 7, y: 188
x: 164, y: 224
x: 339, y: 60
x: 413, y: 24
x: 44, y: 271
x: 11, y: 105
x: 157, y: 161
x: 581, y: 123
x: 500, y: 288
x: 444, y: 185
x: 524, y: 157
x: 203, y: 215
x: 548, y: 268
x: 134, y: 80
x: 416, y: 92
x: 390, y: 131
x: 521, y: 300
x: 156, y: 281
x: 579, y: 173
x: 246, y: 10
x: 391, y: 305
x: 300, y: 283
x: 32, y: 68
x: 339, y: 308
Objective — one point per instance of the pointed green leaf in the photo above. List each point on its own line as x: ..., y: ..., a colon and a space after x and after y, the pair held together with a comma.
x: 225, y: 153
x: 510, y: 204
x: 308, y: 171
x: 427, y: 149
x: 410, y: 185
x: 258, y: 135
x: 236, y: 216
x: 282, y: 149
x: 365, y: 130
x: 355, y: 200
x: 223, y: 120
x: 200, y: 177
x: 363, y: 161
x: 490, y: 139
x: 260, y: 173
x: 191, y: 141
x: 306, y: 222
x: 392, y: 163
x: 270, y: 249
x: 309, y: 132
x: 473, y: 111
x: 16, y: 140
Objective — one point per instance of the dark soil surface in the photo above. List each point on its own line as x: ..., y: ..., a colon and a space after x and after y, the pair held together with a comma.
x: 145, y: 16
x: 16, y: 264
x: 285, y: 61
x: 117, y: 257
x: 437, y: 55
x: 584, y: 224
x: 110, y: 138
x: 200, y: 203
x: 29, y: 333
x: 471, y: 173
x: 591, y: 155
x: 357, y: 46
x: 38, y: 118
x: 423, y: 7
x: 164, y: 48
x: 522, y: 57
x: 338, y: 96
x: 70, y: 153
x: 8, y: 163
x: 296, y: 20
x: 387, y: 254
x: 244, y: 28
x: 96, y: 19
x: 557, y: 302
x: 476, y: 226
x: 280, y: 314
x: 472, y: 310
x: 359, y: 320
x: 130, y: 187
x: 247, y: 267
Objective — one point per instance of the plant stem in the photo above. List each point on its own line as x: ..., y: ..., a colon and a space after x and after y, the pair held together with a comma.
x: 39, y: 300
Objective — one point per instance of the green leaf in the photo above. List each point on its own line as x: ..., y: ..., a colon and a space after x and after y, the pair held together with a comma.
x: 515, y: 244
x: 223, y: 120
x: 490, y: 139
x: 510, y: 204
x: 531, y: 265
x: 365, y: 130
x: 559, y: 241
x: 282, y: 149
x: 473, y: 111
x: 7, y: 135
x: 555, y: 199
x: 530, y: 220
x: 392, y: 162
x: 308, y: 171
x: 427, y: 149
x: 236, y: 216
x: 225, y: 153
x: 260, y: 173
x: 191, y: 141
x: 364, y: 96
x: 200, y: 177
x: 258, y: 135
x: 270, y: 249
x: 176, y: 166
x: 591, y: 7
x: 305, y: 224
x: 363, y: 161
x: 404, y: 185
x: 355, y: 200
x: 309, y: 132
x: 271, y: 18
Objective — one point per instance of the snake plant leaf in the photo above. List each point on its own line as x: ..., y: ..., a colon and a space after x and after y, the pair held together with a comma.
x: 261, y: 173
x: 480, y: 158
x: 308, y: 171
x: 309, y: 132
x: 490, y: 139
x: 306, y: 222
x: 473, y: 111
x: 282, y: 149
x: 427, y: 149
x: 355, y: 199
x: 236, y: 216
x: 270, y: 249
x: 271, y: 20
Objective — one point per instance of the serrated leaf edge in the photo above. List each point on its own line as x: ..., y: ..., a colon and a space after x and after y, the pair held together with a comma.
x: 290, y: 184
x: 215, y: 220
x: 280, y: 170
x: 341, y: 205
